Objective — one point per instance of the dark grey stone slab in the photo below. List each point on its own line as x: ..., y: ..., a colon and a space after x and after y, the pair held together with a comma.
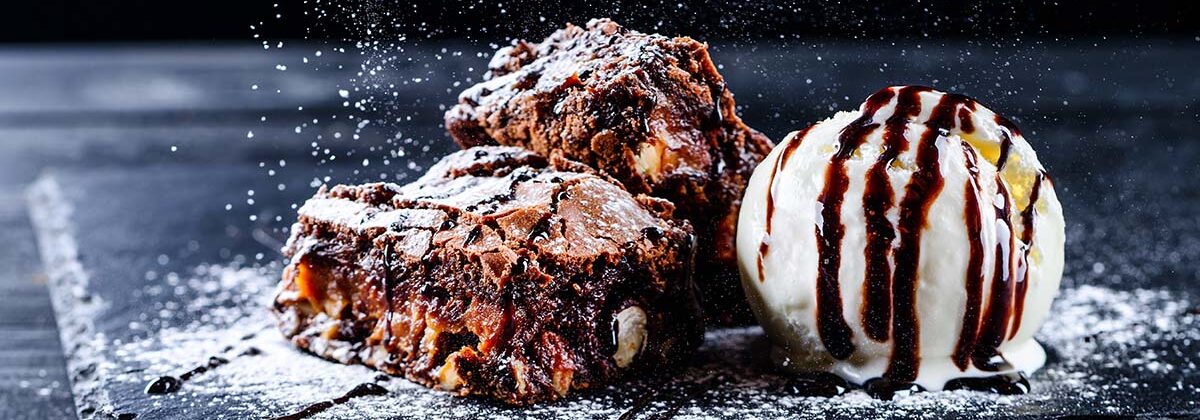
x: 32, y: 366
x: 141, y: 253
x: 151, y: 276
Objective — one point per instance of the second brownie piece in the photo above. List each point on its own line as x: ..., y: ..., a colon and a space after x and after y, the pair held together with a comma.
x: 497, y: 274
x: 648, y: 110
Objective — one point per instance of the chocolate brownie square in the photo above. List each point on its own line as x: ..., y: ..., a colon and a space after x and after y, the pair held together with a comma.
x: 499, y: 273
x: 647, y: 110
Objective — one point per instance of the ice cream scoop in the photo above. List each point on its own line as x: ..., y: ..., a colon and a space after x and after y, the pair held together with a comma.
x: 917, y: 239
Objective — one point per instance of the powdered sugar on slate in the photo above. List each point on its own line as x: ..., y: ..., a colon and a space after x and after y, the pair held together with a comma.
x: 1151, y: 332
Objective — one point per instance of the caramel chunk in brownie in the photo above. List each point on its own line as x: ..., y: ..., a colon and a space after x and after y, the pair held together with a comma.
x: 648, y: 110
x: 498, y: 273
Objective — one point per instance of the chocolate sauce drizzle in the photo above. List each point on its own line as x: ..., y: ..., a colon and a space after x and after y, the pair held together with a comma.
x: 1008, y: 130
x: 362, y: 390
x: 974, y: 281
x: 922, y: 189
x: 169, y: 384
x: 1005, y: 384
x: 1005, y: 145
x: 877, y: 201
x: 1026, y: 239
x: 831, y: 325
x: 996, y: 315
x: 788, y: 149
x: 965, y: 124
x: 388, y: 285
x: 889, y: 304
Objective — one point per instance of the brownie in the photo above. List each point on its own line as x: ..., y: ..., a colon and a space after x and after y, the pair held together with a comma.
x: 648, y: 110
x: 499, y: 273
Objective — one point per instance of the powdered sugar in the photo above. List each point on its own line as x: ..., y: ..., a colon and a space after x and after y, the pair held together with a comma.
x: 1149, y: 335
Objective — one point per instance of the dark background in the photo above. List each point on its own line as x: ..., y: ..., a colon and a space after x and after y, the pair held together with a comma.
x: 147, y: 20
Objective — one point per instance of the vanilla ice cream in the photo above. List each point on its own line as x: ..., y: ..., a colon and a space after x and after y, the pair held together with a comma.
x: 917, y: 239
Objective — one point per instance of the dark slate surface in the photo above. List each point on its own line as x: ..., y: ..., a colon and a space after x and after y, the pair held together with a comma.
x: 32, y: 373
x: 59, y: 110
x: 84, y: 217
x: 1116, y: 123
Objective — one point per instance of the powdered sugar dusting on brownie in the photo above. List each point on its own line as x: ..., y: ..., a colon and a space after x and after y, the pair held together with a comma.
x: 512, y: 294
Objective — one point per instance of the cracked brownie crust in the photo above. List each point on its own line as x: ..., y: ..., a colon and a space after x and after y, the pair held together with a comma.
x: 648, y: 110
x: 499, y: 273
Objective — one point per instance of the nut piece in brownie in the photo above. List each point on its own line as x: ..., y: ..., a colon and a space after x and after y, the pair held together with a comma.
x: 498, y: 273
x: 648, y: 110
